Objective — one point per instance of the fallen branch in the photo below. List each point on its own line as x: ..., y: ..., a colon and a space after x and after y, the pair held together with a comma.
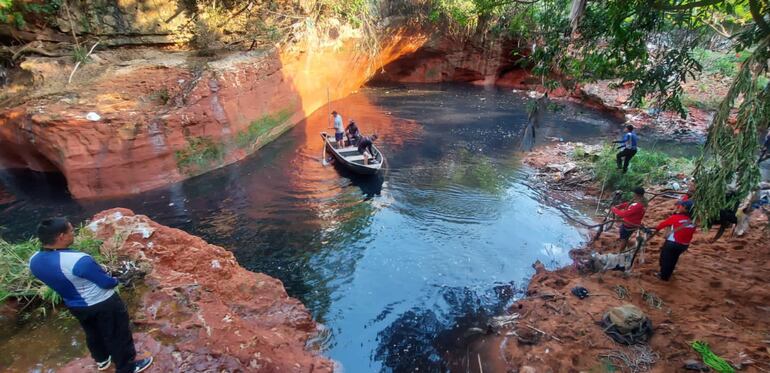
x: 543, y: 333
x: 78, y: 63
x: 29, y: 49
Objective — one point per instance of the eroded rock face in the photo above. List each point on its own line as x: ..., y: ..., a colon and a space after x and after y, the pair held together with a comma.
x: 445, y: 59
x: 200, y: 310
x: 162, y: 117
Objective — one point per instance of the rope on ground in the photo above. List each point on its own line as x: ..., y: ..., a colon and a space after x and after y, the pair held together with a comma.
x: 639, y: 359
x: 652, y: 299
x: 711, y: 359
x: 621, y: 291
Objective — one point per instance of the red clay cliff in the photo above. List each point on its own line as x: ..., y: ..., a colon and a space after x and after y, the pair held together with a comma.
x: 198, y: 310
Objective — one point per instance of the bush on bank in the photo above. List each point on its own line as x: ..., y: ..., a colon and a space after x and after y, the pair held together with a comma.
x: 648, y: 167
x: 16, y: 280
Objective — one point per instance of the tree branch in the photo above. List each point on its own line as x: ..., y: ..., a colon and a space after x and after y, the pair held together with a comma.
x: 759, y: 18
x: 696, y: 4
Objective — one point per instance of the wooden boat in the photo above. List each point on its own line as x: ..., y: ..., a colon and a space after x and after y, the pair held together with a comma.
x: 350, y: 158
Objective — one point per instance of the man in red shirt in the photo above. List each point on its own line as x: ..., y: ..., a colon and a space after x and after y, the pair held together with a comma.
x: 632, y: 214
x: 678, y: 240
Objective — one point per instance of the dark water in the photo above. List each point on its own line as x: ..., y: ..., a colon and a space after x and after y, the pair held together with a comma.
x: 397, y: 266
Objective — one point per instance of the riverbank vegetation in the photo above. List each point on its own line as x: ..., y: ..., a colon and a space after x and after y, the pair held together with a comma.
x: 658, y: 47
x: 648, y: 167
x: 16, y: 280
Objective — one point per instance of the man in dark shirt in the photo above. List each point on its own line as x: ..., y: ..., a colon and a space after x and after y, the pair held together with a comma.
x: 365, y: 147
x: 353, y: 133
x: 89, y: 294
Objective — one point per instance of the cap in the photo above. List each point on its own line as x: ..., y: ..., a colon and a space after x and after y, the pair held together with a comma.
x: 686, y: 204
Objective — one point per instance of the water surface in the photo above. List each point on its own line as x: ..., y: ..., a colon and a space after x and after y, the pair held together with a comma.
x: 399, y: 266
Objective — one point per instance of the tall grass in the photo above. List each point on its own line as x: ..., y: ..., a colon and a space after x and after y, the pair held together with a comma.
x: 646, y: 168
x: 16, y: 280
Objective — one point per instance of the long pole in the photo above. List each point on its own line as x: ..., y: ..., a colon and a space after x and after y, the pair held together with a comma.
x: 328, y: 124
x: 328, y: 108
x: 615, y: 200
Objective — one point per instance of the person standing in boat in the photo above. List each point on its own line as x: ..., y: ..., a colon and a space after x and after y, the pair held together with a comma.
x: 339, y: 130
x: 354, y: 135
x: 365, y: 147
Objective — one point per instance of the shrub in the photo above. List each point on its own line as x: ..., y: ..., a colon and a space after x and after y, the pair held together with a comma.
x: 161, y: 95
x: 205, y: 38
x: 199, y: 155
x: 16, y: 280
x: 646, y: 168
x: 80, y: 54
x: 262, y: 126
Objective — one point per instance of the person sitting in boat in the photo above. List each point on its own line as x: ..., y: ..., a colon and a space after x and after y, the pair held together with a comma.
x: 365, y: 147
x: 354, y: 135
x: 339, y: 130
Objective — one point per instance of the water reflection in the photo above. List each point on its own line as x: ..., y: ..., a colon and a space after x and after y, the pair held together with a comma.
x: 403, y: 260
x: 421, y: 338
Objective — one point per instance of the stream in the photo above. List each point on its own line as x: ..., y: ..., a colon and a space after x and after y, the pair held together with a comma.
x: 398, y: 266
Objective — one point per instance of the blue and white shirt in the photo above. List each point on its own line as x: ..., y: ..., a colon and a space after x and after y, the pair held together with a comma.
x: 79, y: 280
x: 629, y: 140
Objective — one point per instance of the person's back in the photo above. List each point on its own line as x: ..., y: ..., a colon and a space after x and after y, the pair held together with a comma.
x: 628, y: 146
x: 631, y: 140
x: 74, y: 275
x: 364, y: 144
x: 338, y: 126
x: 354, y: 135
x: 365, y: 147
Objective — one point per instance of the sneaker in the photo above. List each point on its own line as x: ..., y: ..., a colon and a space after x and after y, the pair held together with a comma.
x: 103, y: 365
x: 141, y: 365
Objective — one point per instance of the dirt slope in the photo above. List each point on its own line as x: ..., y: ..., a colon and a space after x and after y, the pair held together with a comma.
x: 718, y: 294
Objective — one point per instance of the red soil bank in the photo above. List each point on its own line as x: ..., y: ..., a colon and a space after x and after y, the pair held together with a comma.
x: 198, y: 310
x: 718, y: 294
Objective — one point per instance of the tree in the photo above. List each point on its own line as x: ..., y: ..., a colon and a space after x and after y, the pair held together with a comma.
x: 650, y: 43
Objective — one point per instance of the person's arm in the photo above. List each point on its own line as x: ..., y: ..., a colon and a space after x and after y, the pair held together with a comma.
x: 88, y: 269
x: 665, y: 223
x: 619, y: 210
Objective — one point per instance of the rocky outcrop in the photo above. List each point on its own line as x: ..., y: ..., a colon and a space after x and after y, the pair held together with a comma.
x: 447, y: 59
x: 198, y: 310
x: 141, y: 119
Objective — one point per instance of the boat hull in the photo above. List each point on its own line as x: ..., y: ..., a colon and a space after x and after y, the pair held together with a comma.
x: 353, y: 166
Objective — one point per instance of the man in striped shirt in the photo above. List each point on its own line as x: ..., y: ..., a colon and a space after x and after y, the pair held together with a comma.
x: 678, y: 240
x: 89, y: 294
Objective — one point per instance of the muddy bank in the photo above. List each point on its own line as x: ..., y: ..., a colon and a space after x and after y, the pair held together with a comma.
x: 717, y: 295
x: 198, y: 310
